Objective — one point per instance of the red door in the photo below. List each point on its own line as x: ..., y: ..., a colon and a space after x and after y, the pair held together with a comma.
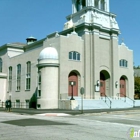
x: 122, y: 87
x: 102, y: 84
x: 73, y: 77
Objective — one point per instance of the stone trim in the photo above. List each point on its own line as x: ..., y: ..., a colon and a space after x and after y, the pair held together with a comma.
x: 3, y: 75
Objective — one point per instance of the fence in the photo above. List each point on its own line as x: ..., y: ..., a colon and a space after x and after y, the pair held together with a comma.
x: 16, y: 104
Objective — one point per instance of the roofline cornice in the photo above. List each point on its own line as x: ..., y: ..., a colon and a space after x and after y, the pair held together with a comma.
x: 90, y: 8
x: 91, y: 26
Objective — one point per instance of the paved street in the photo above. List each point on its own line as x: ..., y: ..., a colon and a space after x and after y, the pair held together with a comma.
x: 89, y: 126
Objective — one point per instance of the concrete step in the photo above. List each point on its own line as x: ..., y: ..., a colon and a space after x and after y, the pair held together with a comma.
x: 103, y: 104
x: 92, y: 104
x: 120, y: 104
x: 137, y: 103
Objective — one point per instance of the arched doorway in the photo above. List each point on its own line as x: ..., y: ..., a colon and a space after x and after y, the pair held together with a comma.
x: 73, y: 77
x: 104, y: 83
x: 122, y: 86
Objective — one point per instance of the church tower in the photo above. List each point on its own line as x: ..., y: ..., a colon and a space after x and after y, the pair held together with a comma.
x: 93, y: 13
x: 93, y: 21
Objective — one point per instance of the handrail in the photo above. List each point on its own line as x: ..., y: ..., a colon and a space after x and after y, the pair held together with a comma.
x: 128, y: 97
x: 117, y: 95
x: 107, y: 98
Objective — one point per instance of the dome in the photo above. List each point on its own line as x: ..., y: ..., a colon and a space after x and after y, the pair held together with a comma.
x: 48, y: 53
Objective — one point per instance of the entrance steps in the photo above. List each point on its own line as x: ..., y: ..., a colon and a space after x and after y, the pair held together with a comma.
x: 106, y: 103
x: 137, y: 103
x: 120, y: 104
x: 92, y: 104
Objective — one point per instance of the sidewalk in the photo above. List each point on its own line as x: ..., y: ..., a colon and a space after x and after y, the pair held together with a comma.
x: 71, y: 112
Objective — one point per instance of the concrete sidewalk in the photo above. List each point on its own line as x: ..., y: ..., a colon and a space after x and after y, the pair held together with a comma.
x: 61, y: 111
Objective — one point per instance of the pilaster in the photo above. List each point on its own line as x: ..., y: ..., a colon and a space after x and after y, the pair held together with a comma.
x: 87, y: 68
x: 115, y: 64
x: 96, y: 61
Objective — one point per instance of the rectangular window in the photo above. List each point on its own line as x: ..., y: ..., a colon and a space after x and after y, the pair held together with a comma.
x: 27, y: 103
x: 17, y: 103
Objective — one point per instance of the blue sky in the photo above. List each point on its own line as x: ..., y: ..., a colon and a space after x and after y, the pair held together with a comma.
x: 20, y: 19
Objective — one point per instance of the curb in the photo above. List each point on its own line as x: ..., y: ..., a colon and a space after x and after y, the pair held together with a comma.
x: 54, y: 114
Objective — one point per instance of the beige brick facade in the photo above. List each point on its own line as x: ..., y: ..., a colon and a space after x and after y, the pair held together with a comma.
x: 95, y: 39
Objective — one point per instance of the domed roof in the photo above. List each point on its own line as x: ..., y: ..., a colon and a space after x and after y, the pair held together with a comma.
x: 48, y: 53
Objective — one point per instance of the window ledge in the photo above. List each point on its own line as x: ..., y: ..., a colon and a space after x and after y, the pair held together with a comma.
x: 27, y: 89
x: 123, y: 67
x: 75, y: 60
x: 17, y: 90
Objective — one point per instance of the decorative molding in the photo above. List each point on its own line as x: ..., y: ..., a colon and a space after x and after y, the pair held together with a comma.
x: 3, y: 76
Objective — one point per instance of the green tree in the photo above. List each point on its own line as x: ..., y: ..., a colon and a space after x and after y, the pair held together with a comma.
x: 137, y: 87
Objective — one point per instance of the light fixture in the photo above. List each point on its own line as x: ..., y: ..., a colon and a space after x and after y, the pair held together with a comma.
x: 71, y: 83
x: 98, y: 83
x: 116, y: 84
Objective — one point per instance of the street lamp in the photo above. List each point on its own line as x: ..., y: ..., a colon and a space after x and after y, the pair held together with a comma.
x: 72, y: 84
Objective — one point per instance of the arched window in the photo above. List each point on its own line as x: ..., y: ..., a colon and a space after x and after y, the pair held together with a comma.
x: 78, y: 5
x: 123, y: 63
x: 74, y: 55
x: 28, y: 76
x: 70, y: 55
x: 102, y: 5
x: 78, y: 56
x: 18, y: 77
x: 83, y: 3
x: 96, y: 3
x: 0, y: 65
x: 10, y: 78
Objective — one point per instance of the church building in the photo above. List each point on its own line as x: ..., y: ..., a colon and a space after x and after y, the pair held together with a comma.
x: 51, y: 73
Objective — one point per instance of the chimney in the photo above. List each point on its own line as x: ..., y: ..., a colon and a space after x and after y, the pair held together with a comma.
x: 31, y: 40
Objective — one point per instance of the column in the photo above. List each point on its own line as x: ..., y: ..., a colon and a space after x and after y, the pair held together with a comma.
x: 107, y: 6
x: 73, y: 6
x: 99, y: 4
